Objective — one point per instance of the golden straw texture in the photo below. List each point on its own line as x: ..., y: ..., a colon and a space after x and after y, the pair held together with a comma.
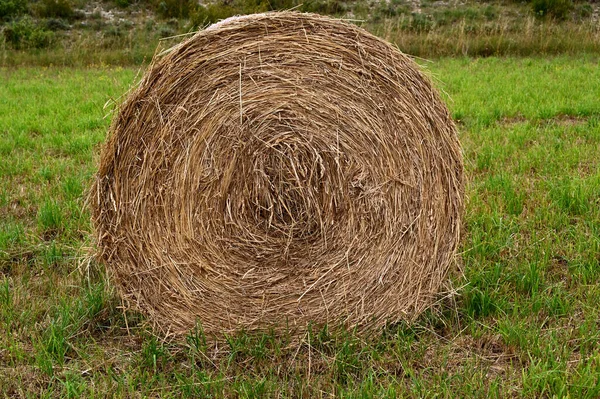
x: 275, y: 170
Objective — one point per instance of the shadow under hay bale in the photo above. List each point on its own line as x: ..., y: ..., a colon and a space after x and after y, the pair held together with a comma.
x: 275, y: 170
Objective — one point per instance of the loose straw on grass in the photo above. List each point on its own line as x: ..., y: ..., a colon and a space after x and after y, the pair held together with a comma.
x: 275, y: 170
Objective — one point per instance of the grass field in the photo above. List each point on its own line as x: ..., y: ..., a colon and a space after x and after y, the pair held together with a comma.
x: 525, y: 322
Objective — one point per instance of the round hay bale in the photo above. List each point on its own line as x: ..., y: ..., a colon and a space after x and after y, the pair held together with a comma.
x: 275, y: 170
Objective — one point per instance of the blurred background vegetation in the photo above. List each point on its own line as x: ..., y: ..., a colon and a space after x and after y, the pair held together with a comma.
x: 125, y: 32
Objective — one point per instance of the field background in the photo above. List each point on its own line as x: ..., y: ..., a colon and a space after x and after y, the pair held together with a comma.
x: 525, y: 321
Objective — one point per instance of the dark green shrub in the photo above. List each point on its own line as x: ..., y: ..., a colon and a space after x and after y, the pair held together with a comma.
x: 55, y: 24
x: 176, y: 8
x: 40, y: 38
x: 25, y: 33
x: 122, y: 3
x: 12, y: 8
x: 211, y: 13
x: 272, y: 5
x: 558, y: 9
x: 56, y: 9
x: 584, y: 11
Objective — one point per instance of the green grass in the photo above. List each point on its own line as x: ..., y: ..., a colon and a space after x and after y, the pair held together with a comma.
x: 524, y: 323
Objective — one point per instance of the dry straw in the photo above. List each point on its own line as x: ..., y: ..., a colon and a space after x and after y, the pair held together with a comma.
x: 275, y: 170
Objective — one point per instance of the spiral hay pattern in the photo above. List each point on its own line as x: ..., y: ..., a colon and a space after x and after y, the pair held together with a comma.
x: 275, y: 170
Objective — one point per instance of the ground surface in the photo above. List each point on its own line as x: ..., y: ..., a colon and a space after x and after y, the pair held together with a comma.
x: 524, y: 324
